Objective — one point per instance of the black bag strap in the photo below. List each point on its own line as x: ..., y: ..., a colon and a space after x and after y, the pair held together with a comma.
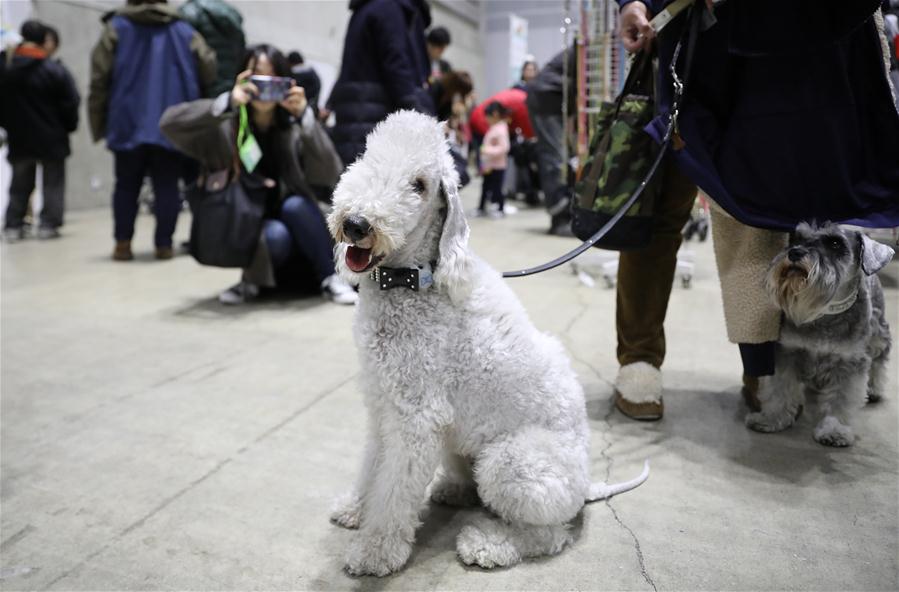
x: 692, y: 31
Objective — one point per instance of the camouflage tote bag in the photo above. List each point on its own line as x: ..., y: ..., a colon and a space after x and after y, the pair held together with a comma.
x: 621, y: 156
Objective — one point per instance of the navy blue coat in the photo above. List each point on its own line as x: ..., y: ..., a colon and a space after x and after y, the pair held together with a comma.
x: 385, y: 67
x: 788, y: 116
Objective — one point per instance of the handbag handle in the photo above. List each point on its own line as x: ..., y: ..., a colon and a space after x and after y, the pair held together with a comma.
x: 695, y: 21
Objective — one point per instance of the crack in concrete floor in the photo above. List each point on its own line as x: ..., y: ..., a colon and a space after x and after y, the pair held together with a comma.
x: 604, y: 453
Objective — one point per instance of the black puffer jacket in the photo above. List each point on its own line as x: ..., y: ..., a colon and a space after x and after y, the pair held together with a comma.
x: 38, y: 105
x: 385, y: 68
x: 221, y: 25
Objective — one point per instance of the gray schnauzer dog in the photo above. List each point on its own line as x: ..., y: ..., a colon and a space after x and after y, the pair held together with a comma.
x: 835, y: 339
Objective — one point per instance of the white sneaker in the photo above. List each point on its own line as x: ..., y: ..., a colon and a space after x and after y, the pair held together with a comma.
x: 338, y: 290
x: 239, y: 293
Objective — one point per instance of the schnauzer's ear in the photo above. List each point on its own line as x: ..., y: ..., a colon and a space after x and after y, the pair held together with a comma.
x: 874, y: 255
x: 454, y: 265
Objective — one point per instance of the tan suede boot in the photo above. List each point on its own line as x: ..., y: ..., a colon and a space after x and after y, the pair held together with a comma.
x: 122, y: 251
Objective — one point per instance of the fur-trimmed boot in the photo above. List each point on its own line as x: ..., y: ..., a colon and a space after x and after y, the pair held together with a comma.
x: 638, y: 391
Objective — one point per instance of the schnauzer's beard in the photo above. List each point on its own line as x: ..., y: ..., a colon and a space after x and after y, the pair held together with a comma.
x: 802, y: 289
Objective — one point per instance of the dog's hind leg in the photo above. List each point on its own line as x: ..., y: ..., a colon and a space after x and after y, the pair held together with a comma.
x: 781, y: 397
x: 491, y: 543
x: 536, y: 481
x: 454, y: 485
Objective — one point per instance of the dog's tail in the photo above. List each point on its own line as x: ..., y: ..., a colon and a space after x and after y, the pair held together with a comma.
x: 601, y: 491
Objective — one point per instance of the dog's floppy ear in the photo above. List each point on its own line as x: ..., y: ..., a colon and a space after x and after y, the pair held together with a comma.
x: 454, y: 265
x: 874, y: 255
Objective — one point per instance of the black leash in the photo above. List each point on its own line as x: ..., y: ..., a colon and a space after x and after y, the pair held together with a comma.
x: 695, y: 17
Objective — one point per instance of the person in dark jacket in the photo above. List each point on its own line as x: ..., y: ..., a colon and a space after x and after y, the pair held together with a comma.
x: 38, y: 109
x: 787, y: 117
x: 221, y: 25
x: 306, y: 77
x: 295, y: 155
x: 544, y: 107
x: 384, y: 68
x: 146, y: 60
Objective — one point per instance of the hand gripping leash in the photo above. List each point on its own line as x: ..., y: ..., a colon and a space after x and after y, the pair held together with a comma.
x: 695, y: 17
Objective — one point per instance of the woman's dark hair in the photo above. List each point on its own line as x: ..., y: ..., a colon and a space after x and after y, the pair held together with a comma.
x: 454, y: 82
x: 279, y: 63
x: 496, y: 108
x: 33, y: 31
x: 280, y: 67
x: 439, y: 36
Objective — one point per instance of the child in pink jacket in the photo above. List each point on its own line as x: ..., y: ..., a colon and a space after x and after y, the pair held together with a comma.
x: 494, y: 157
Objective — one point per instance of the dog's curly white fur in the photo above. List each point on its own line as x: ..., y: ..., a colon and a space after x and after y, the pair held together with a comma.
x: 835, y: 339
x: 455, y: 376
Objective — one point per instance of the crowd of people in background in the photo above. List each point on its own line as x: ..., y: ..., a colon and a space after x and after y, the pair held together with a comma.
x: 152, y: 56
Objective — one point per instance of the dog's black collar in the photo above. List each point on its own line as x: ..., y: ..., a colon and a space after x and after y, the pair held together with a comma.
x: 414, y: 278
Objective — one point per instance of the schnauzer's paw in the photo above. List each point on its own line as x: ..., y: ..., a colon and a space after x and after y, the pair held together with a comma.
x: 454, y: 493
x: 377, y: 555
x: 485, y: 549
x: 347, y: 511
x: 830, y: 432
x: 768, y: 423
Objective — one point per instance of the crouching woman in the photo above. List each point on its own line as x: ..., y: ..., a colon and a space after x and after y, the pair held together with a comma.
x: 295, y: 159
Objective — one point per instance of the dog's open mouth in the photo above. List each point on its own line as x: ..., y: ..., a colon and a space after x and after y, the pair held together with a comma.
x: 359, y: 259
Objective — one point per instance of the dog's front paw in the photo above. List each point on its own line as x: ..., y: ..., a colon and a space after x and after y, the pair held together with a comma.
x: 766, y: 422
x: 377, y: 555
x: 347, y: 511
x: 830, y: 432
x: 454, y: 493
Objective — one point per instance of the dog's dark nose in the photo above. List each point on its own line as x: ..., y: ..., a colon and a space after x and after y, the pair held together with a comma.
x: 795, y: 254
x: 356, y: 228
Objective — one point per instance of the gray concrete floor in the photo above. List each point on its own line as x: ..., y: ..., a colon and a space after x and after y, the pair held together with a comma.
x: 152, y: 439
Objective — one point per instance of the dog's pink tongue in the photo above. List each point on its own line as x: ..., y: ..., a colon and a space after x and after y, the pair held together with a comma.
x: 357, y: 259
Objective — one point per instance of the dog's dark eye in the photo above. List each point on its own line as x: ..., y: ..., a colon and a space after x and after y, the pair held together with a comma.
x: 834, y: 243
x: 418, y: 186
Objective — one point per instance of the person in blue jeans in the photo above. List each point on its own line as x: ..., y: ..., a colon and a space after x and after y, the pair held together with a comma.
x: 147, y: 59
x: 295, y: 162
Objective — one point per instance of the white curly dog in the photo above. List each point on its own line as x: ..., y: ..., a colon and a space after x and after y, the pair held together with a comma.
x: 454, y: 372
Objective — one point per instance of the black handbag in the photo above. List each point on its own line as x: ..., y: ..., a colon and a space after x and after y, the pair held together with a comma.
x: 227, y: 218
x: 689, y: 36
x: 620, y: 157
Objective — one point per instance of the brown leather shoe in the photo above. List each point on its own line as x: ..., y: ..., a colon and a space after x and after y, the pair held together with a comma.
x: 751, y: 392
x: 122, y: 251
x: 649, y: 411
x: 163, y: 253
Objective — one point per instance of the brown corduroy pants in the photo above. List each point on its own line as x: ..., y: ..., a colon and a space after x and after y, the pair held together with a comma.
x: 645, y: 275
